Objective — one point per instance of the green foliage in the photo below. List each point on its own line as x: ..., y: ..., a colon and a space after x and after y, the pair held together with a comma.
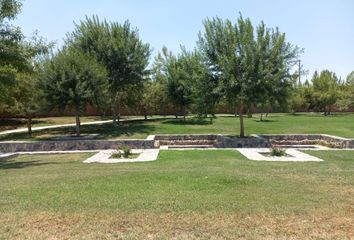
x: 178, y: 73
x: 251, y: 69
x: 126, y: 151
x: 12, y: 58
x: 325, y: 88
x: 346, y: 93
x: 277, y: 151
x: 73, y: 79
x: 118, y: 47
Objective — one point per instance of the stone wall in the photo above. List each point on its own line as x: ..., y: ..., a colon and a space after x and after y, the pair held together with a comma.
x: 16, y: 146
x: 224, y: 141
x: 212, y: 140
x: 309, y: 139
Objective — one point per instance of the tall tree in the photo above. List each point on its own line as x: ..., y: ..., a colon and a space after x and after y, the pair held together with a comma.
x: 26, y: 94
x: 346, y: 93
x: 178, y: 72
x: 73, y: 79
x: 242, y: 61
x: 119, y: 48
x: 325, y: 87
x: 206, y: 92
x: 12, y: 54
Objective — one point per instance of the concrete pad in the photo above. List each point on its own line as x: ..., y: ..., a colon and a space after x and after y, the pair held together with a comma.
x: 255, y: 154
x: 5, y: 156
x: 146, y: 155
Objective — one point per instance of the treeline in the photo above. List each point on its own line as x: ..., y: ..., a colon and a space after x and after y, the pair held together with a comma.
x: 323, y: 92
x: 106, y: 64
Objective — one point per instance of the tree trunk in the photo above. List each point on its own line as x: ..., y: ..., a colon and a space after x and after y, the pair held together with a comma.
x: 145, y: 113
x: 242, y: 127
x: 249, y: 111
x: 114, y: 113
x: 184, y: 113
x: 77, y: 124
x: 29, y: 125
x: 116, y: 110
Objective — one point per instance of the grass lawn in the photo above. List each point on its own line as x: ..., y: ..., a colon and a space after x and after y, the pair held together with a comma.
x: 338, y: 124
x: 182, y: 195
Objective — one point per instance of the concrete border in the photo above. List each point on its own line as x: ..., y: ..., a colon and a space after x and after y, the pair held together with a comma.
x: 255, y: 154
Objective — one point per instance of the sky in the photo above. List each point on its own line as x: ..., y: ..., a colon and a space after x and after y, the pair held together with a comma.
x: 323, y: 28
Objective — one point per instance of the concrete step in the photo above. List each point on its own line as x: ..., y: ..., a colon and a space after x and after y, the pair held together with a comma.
x: 189, y: 146
x: 186, y: 142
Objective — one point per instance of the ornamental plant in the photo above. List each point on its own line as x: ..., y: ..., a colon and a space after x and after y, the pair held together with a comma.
x: 277, y: 151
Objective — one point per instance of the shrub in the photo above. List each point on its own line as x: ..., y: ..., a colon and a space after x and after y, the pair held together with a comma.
x: 126, y: 152
x: 277, y: 151
x: 118, y: 154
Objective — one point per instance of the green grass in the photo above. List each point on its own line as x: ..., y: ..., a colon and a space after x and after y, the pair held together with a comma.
x: 183, y: 195
x: 338, y: 124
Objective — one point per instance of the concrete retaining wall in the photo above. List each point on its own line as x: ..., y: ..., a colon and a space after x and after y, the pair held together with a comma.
x: 218, y: 141
x: 15, y: 146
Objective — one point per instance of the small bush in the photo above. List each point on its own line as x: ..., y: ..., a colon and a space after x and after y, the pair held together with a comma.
x: 126, y: 152
x: 277, y: 151
x: 118, y: 154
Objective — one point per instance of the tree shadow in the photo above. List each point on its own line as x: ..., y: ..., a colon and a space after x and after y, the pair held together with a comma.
x: 106, y: 130
x: 320, y: 114
x: 13, y: 123
x: 12, y: 163
x: 189, y: 121
x: 265, y: 120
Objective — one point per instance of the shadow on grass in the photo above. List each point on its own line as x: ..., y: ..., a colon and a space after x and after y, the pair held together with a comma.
x: 106, y: 130
x: 319, y: 114
x: 13, y: 164
x: 265, y: 120
x: 13, y: 123
x: 189, y: 121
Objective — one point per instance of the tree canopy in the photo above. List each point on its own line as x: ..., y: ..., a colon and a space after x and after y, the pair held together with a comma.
x: 73, y: 79
x: 116, y: 46
x: 251, y: 69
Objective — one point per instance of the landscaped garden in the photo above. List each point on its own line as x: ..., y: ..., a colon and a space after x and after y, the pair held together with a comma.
x: 183, y: 195
x: 222, y: 140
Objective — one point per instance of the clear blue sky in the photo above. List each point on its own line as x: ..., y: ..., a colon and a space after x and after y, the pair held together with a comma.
x: 324, y: 28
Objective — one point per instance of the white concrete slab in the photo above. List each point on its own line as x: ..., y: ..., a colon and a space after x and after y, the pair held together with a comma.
x: 255, y: 154
x: 146, y: 155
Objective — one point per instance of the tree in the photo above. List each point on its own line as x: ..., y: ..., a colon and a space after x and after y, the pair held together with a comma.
x: 73, y: 79
x: 346, y: 93
x: 26, y: 93
x: 119, y: 48
x: 178, y: 72
x: 324, y: 90
x: 206, y: 92
x: 247, y: 66
x: 12, y: 55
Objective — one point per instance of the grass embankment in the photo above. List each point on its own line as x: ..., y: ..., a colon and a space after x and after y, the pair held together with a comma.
x: 182, y: 195
x: 338, y: 124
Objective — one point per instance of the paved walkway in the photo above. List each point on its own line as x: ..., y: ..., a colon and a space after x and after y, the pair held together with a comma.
x: 20, y: 130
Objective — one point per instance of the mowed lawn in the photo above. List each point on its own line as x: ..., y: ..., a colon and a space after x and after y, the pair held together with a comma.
x: 182, y: 195
x: 337, y: 124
